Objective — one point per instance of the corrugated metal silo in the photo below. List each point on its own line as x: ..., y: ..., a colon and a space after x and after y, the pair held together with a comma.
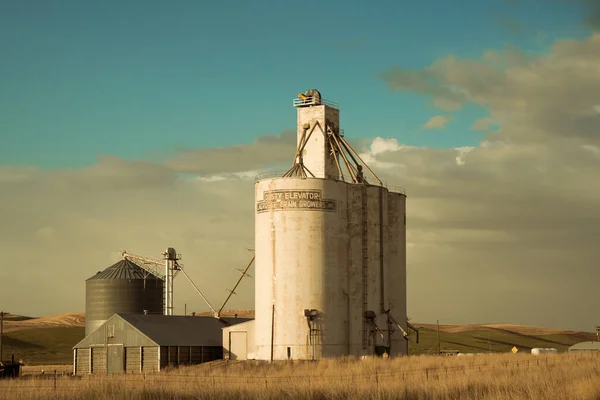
x: 121, y: 288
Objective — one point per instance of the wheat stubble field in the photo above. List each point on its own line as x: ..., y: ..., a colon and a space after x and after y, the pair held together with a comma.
x: 503, y: 376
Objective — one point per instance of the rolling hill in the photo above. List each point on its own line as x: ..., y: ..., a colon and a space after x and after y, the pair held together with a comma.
x: 49, y: 340
x: 66, y: 320
x: 46, y: 340
x: 493, y: 338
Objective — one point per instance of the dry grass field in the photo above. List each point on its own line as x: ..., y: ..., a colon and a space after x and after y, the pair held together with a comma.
x: 66, y: 320
x: 488, y: 377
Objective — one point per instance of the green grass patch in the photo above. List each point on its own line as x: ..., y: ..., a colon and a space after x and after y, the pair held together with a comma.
x: 43, y: 345
x: 492, y: 340
x: 11, y: 317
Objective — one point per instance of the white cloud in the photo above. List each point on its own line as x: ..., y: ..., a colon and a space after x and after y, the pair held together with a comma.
x: 462, y: 152
x: 381, y: 145
x: 507, y: 229
x: 482, y: 124
x: 45, y: 233
x: 437, y: 122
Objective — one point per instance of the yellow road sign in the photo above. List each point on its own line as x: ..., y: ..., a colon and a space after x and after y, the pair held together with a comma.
x: 514, y: 350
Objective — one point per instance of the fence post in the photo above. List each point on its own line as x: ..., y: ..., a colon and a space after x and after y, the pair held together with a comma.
x: 427, y: 373
x: 54, y: 380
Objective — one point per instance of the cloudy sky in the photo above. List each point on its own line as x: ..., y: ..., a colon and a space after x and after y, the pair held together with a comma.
x: 141, y: 125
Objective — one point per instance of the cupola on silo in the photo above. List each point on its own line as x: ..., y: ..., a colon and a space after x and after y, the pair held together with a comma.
x: 123, y: 287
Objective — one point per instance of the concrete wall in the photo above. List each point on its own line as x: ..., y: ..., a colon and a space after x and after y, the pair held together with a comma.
x: 301, y: 255
x: 395, y: 271
x: 316, y: 154
x: 312, y: 257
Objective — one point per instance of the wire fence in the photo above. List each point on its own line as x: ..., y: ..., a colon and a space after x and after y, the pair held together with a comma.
x: 379, y: 374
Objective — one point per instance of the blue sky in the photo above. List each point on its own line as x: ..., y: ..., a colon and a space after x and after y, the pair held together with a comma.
x: 135, y: 78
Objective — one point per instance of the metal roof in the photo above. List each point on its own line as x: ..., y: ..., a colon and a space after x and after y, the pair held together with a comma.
x: 124, y: 269
x: 586, y: 346
x: 180, y: 330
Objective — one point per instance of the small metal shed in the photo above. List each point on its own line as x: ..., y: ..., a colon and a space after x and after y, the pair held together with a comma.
x: 584, y: 347
x: 148, y: 343
x: 238, y: 341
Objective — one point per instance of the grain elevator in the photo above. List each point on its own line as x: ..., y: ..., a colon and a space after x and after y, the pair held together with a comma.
x: 330, y: 249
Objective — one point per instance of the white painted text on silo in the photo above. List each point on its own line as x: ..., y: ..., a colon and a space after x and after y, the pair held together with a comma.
x: 294, y: 200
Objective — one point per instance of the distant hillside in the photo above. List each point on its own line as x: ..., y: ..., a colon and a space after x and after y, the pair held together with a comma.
x: 14, y: 317
x: 522, y: 329
x: 493, y: 338
x: 39, y: 346
x: 49, y: 340
x: 67, y: 320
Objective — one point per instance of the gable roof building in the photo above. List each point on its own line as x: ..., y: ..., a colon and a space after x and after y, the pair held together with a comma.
x: 584, y: 347
x: 148, y: 343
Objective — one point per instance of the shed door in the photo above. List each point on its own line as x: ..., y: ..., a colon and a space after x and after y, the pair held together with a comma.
x: 237, y: 346
x: 115, y: 359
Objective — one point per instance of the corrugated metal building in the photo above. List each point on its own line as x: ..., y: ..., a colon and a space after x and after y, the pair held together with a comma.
x: 148, y: 343
x: 584, y: 347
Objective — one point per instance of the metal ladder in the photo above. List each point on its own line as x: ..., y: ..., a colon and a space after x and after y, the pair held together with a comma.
x: 365, y: 271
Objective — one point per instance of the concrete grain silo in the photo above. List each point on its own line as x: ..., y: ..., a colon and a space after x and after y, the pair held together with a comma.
x: 330, y: 250
x: 124, y: 288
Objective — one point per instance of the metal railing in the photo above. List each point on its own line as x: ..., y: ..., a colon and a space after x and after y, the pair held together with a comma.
x: 311, y: 101
x: 269, y: 174
x: 395, y: 189
x: 370, y: 181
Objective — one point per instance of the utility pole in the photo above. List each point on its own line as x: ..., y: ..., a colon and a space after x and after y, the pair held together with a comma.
x: 2, y: 314
x: 598, y: 332
x: 438, y: 337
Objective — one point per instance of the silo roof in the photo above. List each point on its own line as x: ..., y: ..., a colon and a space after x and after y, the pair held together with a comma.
x: 124, y: 269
